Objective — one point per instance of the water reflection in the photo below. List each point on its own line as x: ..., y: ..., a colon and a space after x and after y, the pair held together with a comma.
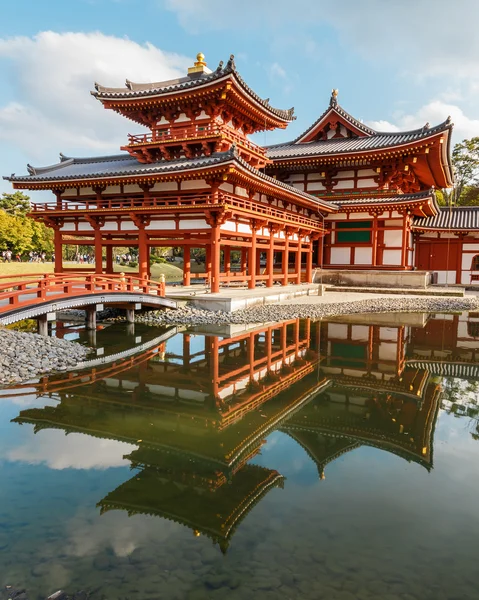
x: 216, y: 424
x: 198, y: 406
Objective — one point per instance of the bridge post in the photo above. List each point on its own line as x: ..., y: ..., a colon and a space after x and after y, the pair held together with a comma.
x: 91, y: 317
x: 44, y: 324
x: 130, y: 315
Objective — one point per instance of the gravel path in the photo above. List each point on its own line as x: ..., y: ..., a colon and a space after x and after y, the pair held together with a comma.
x: 23, y: 356
x: 279, y: 312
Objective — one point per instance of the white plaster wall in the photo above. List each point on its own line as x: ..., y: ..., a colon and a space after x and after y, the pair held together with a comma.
x: 227, y: 187
x: 132, y: 188
x: 194, y: 224
x: 360, y: 333
x: 86, y: 191
x: 446, y: 276
x: 299, y: 186
x: 70, y: 192
x: 244, y: 228
x: 338, y: 217
x: 389, y: 334
x: 366, y: 183
x: 366, y: 172
x: 394, y: 223
x: 392, y: 257
x: 466, y: 277
x: 83, y: 226
x: 110, y: 226
x: 194, y: 184
x: 128, y: 226
x: 68, y: 227
x: 344, y: 175
x: 229, y: 226
x: 167, y: 225
x: 340, y: 256
x: 347, y: 184
x: 338, y: 331
x: 363, y: 256
x: 296, y: 177
x: 474, y: 247
x: 112, y: 189
x: 467, y: 261
x: 393, y: 238
x: 396, y: 215
x: 362, y: 216
x: 240, y: 191
x: 387, y: 351
x: 182, y: 118
x: 315, y: 185
x: 331, y: 133
x: 164, y: 186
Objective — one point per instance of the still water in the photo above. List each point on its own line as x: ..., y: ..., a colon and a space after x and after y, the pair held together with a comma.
x: 303, y: 459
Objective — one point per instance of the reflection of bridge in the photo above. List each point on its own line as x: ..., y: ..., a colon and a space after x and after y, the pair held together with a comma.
x: 33, y: 296
x: 200, y: 410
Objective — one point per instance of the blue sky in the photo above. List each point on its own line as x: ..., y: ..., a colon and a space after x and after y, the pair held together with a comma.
x: 396, y: 64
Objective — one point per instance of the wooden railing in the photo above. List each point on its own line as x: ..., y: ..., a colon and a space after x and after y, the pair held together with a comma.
x: 170, y: 134
x: 254, y: 208
x: 28, y: 292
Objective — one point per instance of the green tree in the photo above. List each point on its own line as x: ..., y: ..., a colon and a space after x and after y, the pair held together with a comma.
x: 465, y: 161
x: 16, y: 204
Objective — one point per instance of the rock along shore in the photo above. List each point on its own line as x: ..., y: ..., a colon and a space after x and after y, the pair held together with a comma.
x: 24, y: 356
x: 274, y: 312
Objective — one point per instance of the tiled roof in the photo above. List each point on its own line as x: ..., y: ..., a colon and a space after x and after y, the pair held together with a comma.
x: 387, y: 200
x: 464, y: 218
x: 121, y: 165
x: 376, y: 140
x: 138, y: 90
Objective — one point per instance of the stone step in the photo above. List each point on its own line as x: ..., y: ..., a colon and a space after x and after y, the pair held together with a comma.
x: 430, y: 291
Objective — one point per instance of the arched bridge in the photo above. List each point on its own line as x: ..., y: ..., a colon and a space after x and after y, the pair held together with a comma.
x: 33, y: 296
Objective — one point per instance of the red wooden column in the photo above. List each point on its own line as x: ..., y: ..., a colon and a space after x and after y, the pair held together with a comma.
x: 244, y: 260
x: 186, y: 265
x: 286, y: 257
x: 405, y: 235
x: 208, y: 262
x: 215, y: 259
x: 251, y: 357
x: 298, y: 260
x: 98, y: 251
x: 227, y: 260
x: 270, y: 281
x: 57, y: 240
x: 252, y: 258
x: 143, y: 262
x: 460, y: 250
x: 374, y: 240
x: 309, y: 262
x: 109, y: 259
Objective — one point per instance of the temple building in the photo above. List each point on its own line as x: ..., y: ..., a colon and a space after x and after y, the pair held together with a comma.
x: 339, y: 196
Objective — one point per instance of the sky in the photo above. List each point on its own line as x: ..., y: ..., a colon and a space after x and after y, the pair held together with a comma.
x: 397, y: 64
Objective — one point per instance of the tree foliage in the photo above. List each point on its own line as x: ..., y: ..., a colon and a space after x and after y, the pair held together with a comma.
x: 19, y: 233
x: 465, y: 160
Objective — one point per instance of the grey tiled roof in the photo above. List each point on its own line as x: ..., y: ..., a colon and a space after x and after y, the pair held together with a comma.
x: 464, y: 218
x: 138, y: 90
x: 376, y: 140
x: 335, y: 107
x: 399, y: 198
x: 121, y: 165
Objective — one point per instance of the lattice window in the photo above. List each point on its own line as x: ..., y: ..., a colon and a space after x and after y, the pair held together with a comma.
x: 473, y: 329
x: 475, y: 263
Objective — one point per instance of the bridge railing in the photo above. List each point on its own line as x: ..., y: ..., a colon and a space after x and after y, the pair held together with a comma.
x: 31, y: 289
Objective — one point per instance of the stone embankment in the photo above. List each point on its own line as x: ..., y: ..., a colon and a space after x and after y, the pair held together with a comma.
x: 271, y: 312
x: 23, y: 356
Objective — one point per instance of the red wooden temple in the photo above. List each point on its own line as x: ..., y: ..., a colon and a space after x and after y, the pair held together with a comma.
x: 194, y: 179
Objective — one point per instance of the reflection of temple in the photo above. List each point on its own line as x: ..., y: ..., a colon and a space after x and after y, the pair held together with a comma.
x: 201, y: 408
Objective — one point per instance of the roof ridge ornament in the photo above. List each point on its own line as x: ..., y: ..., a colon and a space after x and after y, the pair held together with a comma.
x: 231, y: 63
x: 199, y: 66
x: 333, y: 102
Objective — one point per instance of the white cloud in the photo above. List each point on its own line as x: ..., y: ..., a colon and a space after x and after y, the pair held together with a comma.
x: 433, y: 113
x: 52, y: 75
x: 75, y: 451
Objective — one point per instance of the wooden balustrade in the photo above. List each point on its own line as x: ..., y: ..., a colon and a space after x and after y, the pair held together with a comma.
x: 28, y: 292
x: 254, y: 208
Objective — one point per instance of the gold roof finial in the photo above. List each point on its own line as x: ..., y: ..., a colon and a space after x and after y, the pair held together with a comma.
x: 335, y: 92
x: 334, y: 97
x: 200, y: 60
x: 199, y: 66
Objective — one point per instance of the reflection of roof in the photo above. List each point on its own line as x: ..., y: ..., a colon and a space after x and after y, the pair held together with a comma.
x: 182, y: 84
x: 215, y: 514
x: 458, y: 219
x: 447, y: 369
x: 375, y: 140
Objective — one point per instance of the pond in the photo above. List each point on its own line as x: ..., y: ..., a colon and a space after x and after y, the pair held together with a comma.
x: 330, y: 459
